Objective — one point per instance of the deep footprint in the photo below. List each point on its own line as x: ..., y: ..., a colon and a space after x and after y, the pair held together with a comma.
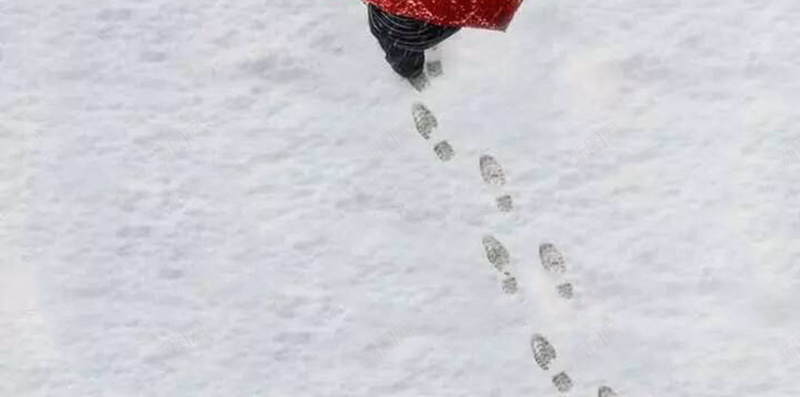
x: 606, y: 391
x: 496, y: 253
x: 543, y: 351
x: 444, y: 151
x: 424, y: 120
x: 551, y: 258
x: 491, y: 172
x: 562, y: 382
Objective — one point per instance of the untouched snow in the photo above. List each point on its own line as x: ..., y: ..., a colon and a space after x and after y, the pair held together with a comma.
x: 273, y: 249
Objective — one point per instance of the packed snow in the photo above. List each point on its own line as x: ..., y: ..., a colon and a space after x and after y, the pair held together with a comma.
x: 229, y: 198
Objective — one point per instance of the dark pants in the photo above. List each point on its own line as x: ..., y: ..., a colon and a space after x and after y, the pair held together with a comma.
x: 404, y: 40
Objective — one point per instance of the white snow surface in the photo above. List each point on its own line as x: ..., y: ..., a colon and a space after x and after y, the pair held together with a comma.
x: 192, y: 202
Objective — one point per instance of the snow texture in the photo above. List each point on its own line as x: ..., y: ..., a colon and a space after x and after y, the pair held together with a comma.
x: 230, y: 198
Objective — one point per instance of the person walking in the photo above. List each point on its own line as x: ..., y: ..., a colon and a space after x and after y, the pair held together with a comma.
x: 405, y: 29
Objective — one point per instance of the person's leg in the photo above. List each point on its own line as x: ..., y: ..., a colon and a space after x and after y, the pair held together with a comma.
x: 404, y: 40
x: 406, y: 63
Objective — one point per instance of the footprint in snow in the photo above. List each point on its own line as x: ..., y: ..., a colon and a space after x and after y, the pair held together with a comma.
x: 496, y: 252
x: 504, y: 203
x: 543, y: 352
x: 498, y: 256
x: 551, y: 258
x: 426, y: 123
x: 433, y: 64
x: 553, y: 262
x: 562, y: 382
x: 444, y: 151
x: 492, y: 173
x: 424, y: 120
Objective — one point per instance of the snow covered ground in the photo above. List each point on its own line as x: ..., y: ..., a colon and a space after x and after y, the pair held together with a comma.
x: 193, y: 203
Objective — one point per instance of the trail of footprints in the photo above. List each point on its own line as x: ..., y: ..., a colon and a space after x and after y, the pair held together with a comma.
x: 498, y: 256
x: 544, y: 354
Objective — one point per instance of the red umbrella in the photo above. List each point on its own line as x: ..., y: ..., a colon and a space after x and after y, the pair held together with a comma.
x: 486, y: 14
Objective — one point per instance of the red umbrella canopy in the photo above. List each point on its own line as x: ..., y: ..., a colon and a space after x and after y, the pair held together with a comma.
x: 486, y: 14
